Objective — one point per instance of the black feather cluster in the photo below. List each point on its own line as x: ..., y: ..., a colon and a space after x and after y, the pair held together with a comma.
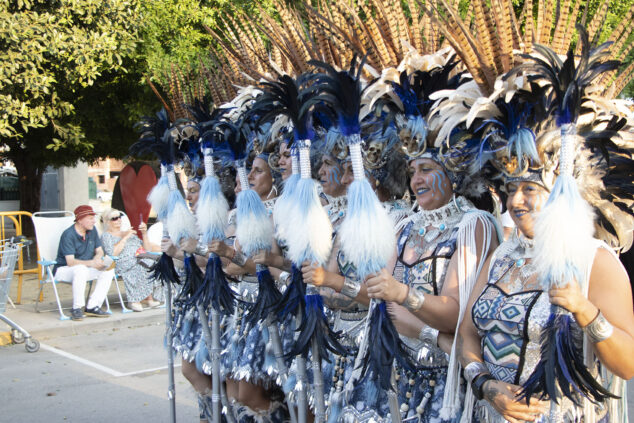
x: 315, y: 325
x: 292, y: 301
x: 384, y: 347
x: 339, y: 92
x: 561, y: 369
x: 217, y: 291
x: 268, y: 297
x: 163, y: 271
x: 568, y: 81
x: 286, y: 97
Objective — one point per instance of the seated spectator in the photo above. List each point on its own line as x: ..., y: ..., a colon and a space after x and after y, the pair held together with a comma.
x: 139, y: 285
x: 80, y: 258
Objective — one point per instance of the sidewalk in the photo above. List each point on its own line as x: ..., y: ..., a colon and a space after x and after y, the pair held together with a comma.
x: 46, y: 324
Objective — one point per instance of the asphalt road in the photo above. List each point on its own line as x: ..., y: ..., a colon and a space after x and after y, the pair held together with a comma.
x: 102, y: 374
x: 107, y: 375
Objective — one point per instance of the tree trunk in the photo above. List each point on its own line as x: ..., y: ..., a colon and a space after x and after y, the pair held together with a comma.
x: 30, y: 179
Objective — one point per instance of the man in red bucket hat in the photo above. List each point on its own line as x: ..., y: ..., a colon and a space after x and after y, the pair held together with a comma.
x: 80, y: 258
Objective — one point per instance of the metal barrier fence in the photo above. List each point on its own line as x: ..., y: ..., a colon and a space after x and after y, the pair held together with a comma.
x: 7, y: 231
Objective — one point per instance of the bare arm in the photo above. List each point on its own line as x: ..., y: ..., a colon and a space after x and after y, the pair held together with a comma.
x: 330, y: 282
x: 610, y: 292
x: 438, y: 311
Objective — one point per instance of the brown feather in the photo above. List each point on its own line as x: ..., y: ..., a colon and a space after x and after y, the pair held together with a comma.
x: 166, y: 106
x: 415, y: 29
x: 597, y: 20
x: 570, y: 27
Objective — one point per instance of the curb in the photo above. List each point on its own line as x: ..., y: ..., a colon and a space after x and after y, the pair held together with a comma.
x: 53, y: 327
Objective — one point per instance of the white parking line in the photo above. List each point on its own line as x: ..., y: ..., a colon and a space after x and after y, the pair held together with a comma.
x: 97, y: 366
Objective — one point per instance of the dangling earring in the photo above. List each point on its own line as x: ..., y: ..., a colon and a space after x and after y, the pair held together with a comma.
x: 273, y: 188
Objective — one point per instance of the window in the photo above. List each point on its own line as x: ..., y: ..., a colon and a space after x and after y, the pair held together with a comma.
x: 102, y: 179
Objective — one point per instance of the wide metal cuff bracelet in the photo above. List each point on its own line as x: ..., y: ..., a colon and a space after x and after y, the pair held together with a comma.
x: 473, y: 369
x: 599, y: 329
x: 414, y: 300
x: 351, y: 288
x: 239, y: 258
x: 429, y: 336
x: 283, y: 279
x: 201, y: 250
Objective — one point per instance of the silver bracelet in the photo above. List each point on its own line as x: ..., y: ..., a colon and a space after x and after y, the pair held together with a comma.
x: 239, y: 258
x: 283, y: 279
x: 201, y: 249
x: 474, y: 369
x: 350, y: 288
x: 414, y: 300
x: 599, y: 329
x: 429, y: 336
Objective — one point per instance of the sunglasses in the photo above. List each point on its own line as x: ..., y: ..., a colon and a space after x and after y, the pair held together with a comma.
x: 112, y: 219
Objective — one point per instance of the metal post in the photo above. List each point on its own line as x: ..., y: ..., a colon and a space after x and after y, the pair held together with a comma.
x: 171, y: 394
x: 281, y: 365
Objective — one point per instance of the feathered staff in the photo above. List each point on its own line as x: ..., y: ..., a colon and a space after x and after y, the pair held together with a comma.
x: 254, y: 229
x: 564, y: 227
x: 310, y: 243
x: 155, y: 139
x: 367, y: 233
x: 211, y: 214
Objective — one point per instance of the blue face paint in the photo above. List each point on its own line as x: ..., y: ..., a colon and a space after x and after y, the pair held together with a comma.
x: 334, y: 176
x: 438, y: 179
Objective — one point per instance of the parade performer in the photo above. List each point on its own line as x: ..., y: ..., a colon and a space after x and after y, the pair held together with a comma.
x: 440, y: 250
x: 248, y: 362
x: 546, y: 340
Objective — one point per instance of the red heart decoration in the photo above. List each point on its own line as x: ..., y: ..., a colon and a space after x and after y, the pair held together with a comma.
x: 135, y: 188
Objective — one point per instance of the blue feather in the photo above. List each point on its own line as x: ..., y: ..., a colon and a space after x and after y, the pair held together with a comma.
x: 292, y: 301
x: 315, y: 324
x: 217, y: 292
x: 163, y: 271
x: 251, y: 209
x: 384, y: 347
x: 209, y: 191
x: 268, y: 297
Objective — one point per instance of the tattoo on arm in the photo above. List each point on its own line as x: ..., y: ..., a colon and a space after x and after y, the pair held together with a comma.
x: 335, y: 300
x: 491, y: 391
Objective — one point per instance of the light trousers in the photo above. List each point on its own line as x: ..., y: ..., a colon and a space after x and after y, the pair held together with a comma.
x: 81, y: 274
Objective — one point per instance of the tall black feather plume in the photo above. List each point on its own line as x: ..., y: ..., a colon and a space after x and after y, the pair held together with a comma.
x: 292, y: 302
x: 341, y: 91
x: 561, y: 370
x: 568, y: 81
x: 384, y: 346
x: 286, y: 97
x: 314, y: 324
x: 217, y: 291
x: 193, y: 285
x: 163, y: 271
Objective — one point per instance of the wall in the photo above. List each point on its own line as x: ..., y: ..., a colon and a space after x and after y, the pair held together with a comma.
x: 73, y: 183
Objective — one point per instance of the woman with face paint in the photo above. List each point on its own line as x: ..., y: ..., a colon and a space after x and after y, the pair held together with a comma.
x: 521, y: 362
x: 440, y: 250
x: 188, y: 336
x: 249, y: 365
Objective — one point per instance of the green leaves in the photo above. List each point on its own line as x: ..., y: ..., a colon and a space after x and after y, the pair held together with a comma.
x: 51, y: 49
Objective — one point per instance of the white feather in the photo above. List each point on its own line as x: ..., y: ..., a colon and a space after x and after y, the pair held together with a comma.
x: 564, y: 230
x: 367, y: 236
x: 181, y: 223
x: 253, y: 233
x: 159, y: 197
x: 211, y: 213
x: 309, y: 233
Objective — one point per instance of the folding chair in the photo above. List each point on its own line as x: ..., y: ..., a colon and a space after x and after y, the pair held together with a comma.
x: 49, y: 227
x: 125, y: 225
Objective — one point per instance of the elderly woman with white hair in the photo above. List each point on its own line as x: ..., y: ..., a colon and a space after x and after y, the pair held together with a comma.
x: 139, y: 285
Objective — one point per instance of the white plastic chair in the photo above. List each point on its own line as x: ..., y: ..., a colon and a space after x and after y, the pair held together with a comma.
x: 49, y: 227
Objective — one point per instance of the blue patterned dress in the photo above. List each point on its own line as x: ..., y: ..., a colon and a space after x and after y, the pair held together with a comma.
x: 510, y: 315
